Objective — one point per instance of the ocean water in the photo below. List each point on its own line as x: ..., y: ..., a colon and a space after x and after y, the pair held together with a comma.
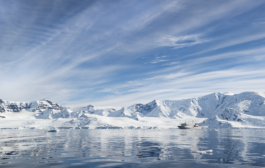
x: 133, y: 148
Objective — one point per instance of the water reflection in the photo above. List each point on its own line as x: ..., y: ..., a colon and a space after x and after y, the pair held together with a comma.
x: 148, y: 149
x: 132, y: 148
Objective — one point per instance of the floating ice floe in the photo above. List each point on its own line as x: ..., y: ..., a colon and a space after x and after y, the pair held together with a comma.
x: 206, y: 151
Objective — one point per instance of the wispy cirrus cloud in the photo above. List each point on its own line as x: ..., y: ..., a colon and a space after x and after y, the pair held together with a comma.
x: 190, y: 78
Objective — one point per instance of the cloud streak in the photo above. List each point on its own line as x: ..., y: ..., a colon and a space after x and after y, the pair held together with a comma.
x: 181, y: 41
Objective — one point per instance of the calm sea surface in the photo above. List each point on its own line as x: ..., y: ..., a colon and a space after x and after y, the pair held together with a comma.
x: 132, y: 148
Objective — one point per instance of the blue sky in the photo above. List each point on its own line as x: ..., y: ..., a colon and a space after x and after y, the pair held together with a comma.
x: 117, y: 53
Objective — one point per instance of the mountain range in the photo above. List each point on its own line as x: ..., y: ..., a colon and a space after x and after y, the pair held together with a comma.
x: 216, y: 110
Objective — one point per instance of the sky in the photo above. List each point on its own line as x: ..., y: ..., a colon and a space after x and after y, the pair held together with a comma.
x: 117, y: 53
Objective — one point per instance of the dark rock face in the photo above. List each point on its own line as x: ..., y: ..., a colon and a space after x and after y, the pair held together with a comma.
x: 2, y: 109
x: 45, y: 106
x: 230, y: 114
x: 89, y: 109
x: 182, y: 109
x: 49, y: 102
x: 138, y: 107
x: 144, y: 109
x: 90, y: 106
x: 56, y: 107
x: 14, y: 108
x: 149, y: 107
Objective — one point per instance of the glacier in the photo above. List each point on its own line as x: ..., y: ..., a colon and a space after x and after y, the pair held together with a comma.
x: 216, y: 110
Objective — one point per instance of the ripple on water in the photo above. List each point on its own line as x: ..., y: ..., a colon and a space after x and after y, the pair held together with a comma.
x: 132, y: 148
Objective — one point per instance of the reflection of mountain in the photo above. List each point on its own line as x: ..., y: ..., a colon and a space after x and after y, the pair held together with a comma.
x: 148, y: 149
x: 229, y: 146
x: 217, y: 109
x: 232, y: 149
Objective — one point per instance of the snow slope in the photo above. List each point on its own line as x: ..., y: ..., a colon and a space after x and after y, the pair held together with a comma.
x: 217, y: 110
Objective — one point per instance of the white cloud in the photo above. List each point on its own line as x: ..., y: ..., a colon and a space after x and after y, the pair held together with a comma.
x: 181, y: 41
x: 172, y: 63
x: 157, y: 61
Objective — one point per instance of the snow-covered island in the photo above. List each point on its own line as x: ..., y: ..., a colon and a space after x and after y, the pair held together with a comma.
x: 217, y: 110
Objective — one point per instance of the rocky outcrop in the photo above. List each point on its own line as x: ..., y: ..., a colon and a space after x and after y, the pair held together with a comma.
x: 8, y: 106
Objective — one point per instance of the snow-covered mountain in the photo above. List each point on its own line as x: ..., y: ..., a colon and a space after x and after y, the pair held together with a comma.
x: 215, y: 110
